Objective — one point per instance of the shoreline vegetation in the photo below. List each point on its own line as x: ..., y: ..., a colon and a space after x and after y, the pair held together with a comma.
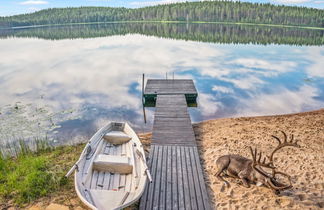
x: 165, y: 21
x: 199, y: 12
x: 35, y: 180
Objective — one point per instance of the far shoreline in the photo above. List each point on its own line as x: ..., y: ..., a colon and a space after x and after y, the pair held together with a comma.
x: 165, y: 22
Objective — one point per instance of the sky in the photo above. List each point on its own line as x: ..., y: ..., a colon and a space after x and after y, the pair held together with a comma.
x: 13, y: 7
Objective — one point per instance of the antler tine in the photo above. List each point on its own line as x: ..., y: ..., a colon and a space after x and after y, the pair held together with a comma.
x: 285, y: 136
x: 264, y: 160
x: 251, y: 150
x: 276, y: 139
x: 259, y: 157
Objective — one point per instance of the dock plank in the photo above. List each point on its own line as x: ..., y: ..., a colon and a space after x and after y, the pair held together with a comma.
x: 195, y: 172
x: 163, y: 185
x: 180, y: 179
x: 157, y: 189
x: 192, y: 186
x: 169, y: 192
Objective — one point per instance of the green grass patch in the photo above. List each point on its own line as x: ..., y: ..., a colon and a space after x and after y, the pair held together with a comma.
x: 32, y: 175
x: 26, y: 178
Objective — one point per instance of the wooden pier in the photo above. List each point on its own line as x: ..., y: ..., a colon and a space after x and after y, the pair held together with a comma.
x: 178, y: 181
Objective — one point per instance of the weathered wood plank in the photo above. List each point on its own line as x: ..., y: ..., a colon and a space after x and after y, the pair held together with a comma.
x: 144, y: 200
x: 201, y: 180
x: 192, y: 190
x: 107, y: 176
x: 169, y: 193
x: 174, y: 177
x: 94, y: 179
x: 185, y: 179
x: 158, y: 174
x: 180, y: 180
x: 101, y: 177
x: 117, y: 179
x: 163, y: 186
x: 153, y: 161
x: 195, y: 172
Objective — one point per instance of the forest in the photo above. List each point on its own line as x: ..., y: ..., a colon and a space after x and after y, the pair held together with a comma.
x: 215, y: 33
x: 207, y: 11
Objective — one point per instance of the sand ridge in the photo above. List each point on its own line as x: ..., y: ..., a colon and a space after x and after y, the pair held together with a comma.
x: 305, y: 165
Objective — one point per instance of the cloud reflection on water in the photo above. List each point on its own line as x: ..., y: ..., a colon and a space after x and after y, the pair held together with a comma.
x: 102, y: 76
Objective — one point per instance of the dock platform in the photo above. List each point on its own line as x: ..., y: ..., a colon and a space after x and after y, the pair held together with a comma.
x: 157, y: 87
x: 178, y: 181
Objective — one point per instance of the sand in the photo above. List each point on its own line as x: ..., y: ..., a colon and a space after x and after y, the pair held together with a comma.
x: 305, y: 165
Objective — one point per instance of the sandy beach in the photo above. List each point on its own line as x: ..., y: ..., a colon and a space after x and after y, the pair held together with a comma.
x: 305, y: 165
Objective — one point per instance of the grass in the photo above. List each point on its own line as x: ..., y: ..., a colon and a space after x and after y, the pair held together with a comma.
x: 34, y: 174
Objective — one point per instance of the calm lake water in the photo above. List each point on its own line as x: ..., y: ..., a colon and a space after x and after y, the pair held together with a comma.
x: 99, y: 74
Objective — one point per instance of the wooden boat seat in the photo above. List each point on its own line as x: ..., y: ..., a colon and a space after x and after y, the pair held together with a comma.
x: 113, y: 163
x: 117, y: 137
x: 108, y: 199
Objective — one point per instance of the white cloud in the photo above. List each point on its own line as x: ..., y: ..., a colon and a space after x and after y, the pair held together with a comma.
x: 222, y: 89
x: 33, y: 2
x: 319, y: 2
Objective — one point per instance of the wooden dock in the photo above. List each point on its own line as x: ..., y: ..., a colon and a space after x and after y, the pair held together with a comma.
x: 178, y: 181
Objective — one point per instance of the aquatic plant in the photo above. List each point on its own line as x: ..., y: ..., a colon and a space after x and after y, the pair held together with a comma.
x: 28, y: 127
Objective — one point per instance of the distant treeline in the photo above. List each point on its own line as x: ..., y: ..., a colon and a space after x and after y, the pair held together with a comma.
x: 210, y: 11
x: 216, y: 33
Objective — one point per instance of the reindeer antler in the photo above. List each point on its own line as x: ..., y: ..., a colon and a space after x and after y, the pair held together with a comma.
x: 285, y: 143
x: 256, y: 157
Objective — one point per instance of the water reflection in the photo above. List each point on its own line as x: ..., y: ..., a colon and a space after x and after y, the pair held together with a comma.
x: 216, y: 33
x: 101, y: 77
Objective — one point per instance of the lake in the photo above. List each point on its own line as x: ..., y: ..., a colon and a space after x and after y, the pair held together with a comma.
x: 96, y: 70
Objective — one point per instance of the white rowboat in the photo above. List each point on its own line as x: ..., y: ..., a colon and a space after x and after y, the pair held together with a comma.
x: 111, y: 172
